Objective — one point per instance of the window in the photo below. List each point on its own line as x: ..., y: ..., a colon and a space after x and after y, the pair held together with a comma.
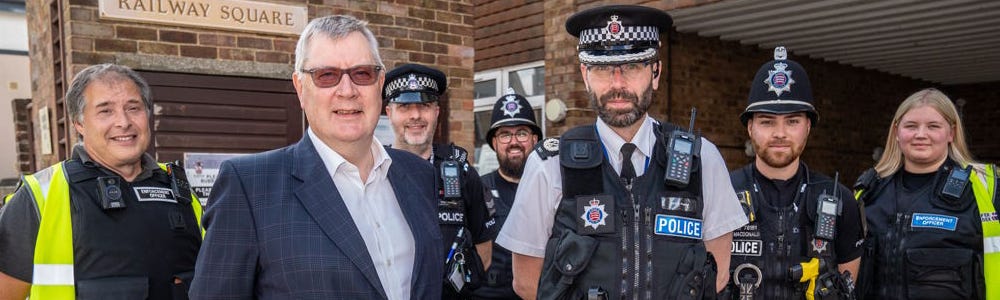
x: 527, y: 80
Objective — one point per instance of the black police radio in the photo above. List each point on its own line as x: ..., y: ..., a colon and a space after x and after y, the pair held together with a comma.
x: 827, y: 211
x: 450, y: 179
x: 680, y: 153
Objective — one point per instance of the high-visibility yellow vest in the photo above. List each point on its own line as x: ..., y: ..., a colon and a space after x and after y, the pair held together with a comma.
x: 984, y: 187
x: 52, y: 276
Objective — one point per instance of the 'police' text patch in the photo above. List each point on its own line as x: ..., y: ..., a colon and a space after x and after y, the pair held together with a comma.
x: 747, y: 247
x: 148, y: 193
x: 934, y: 221
x: 678, y: 226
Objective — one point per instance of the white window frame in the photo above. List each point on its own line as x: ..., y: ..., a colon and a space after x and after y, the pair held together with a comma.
x: 502, y: 76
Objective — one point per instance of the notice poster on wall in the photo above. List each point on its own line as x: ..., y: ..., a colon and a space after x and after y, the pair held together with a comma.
x: 202, y: 169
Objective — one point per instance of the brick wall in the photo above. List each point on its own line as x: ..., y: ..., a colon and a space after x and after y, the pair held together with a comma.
x: 509, y: 33
x: 855, y: 105
x: 23, y: 135
x: 432, y: 32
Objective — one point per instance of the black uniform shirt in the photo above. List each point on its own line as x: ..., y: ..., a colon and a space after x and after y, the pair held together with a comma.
x: 153, y: 239
x: 500, y: 271
x: 847, y: 243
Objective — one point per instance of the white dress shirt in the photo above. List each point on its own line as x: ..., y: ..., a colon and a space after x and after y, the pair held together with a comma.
x: 376, y: 213
x: 529, y: 223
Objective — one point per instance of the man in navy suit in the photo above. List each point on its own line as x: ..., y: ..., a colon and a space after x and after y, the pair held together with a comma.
x: 336, y: 216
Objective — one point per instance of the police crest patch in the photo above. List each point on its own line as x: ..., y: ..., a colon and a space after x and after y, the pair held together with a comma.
x: 594, y: 214
x: 597, y: 214
x: 779, y: 80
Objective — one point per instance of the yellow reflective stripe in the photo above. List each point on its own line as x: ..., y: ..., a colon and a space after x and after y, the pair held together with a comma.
x: 54, y: 247
x: 46, y: 274
x: 196, y: 206
x: 984, y: 188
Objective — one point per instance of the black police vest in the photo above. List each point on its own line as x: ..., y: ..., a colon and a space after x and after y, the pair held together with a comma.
x: 611, y: 243
x: 117, y: 251
x: 500, y: 276
x: 778, y: 237
x: 932, y: 250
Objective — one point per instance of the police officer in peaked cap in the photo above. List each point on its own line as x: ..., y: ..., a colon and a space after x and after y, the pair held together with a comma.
x: 805, y: 234
x: 596, y: 215
x: 412, y: 93
x: 513, y: 133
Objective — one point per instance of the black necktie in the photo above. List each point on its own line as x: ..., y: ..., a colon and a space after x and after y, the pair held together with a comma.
x: 628, y: 170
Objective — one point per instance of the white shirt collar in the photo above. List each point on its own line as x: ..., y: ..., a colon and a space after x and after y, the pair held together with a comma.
x: 643, y: 139
x: 334, y: 161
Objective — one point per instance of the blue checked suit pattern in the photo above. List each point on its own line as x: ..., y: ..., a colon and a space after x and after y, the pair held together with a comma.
x: 278, y: 229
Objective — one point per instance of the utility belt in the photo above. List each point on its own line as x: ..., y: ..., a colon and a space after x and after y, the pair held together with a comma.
x: 816, y: 279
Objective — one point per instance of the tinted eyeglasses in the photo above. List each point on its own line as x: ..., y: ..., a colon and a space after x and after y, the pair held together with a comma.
x: 330, y: 76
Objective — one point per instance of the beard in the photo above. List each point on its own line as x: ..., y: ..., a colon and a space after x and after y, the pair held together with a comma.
x: 622, y: 117
x: 778, y: 160
x: 417, y: 139
x: 513, y: 166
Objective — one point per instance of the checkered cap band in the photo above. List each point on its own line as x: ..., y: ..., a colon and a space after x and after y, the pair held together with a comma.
x: 587, y: 57
x: 628, y: 34
x: 402, y: 84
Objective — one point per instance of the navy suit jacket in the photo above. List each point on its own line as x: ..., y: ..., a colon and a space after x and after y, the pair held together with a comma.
x: 278, y: 229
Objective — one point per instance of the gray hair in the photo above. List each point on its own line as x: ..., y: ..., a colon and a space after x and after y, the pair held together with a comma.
x: 107, y: 73
x: 334, y: 27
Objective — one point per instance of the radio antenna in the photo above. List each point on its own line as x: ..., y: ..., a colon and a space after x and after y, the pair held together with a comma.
x: 694, y: 111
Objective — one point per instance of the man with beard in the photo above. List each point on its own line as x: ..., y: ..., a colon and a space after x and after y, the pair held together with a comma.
x: 412, y: 92
x: 512, y: 133
x: 782, y: 197
x: 595, y: 215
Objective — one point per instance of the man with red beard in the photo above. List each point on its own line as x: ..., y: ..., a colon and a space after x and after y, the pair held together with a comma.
x: 412, y: 92
x: 784, y: 200
x: 513, y: 132
x: 595, y: 215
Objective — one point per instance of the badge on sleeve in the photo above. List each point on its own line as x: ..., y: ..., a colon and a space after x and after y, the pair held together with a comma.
x: 597, y: 214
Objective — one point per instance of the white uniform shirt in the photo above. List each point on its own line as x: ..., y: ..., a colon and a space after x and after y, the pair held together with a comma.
x: 529, y: 223
x: 376, y: 213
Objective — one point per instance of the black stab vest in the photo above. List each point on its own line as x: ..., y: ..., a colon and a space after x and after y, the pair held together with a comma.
x: 620, y: 244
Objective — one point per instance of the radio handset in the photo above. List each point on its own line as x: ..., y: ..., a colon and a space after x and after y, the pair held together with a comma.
x: 680, y: 155
x: 827, y: 211
x: 954, y: 186
x: 450, y: 179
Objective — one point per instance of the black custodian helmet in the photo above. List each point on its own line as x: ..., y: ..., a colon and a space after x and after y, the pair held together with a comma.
x: 781, y: 86
x: 512, y: 110
x: 413, y: 83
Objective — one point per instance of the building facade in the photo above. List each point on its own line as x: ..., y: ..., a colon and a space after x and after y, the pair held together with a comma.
x: 227, y: 89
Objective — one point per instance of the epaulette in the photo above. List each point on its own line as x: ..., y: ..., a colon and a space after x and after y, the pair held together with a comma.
x: 547, y: 148
x: 866, y: 180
